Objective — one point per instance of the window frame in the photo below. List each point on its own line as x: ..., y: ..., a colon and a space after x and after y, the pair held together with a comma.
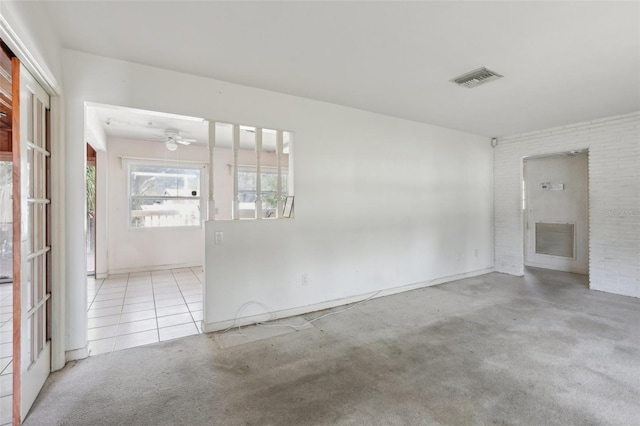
x: 194, y: 165
x: 284, y: 143
x: 284, y: 172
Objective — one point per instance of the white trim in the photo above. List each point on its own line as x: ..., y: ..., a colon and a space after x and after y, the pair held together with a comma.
x: 41, y: 72
x: 270, y: 316
x: 166, y: 161
x: 151, y: 268
x: 76, y: 354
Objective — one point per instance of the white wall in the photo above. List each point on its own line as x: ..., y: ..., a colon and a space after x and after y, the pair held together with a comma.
x: 380, y: 202
x: 29, y: 22
x: 153, y: 248
x: 614, y: 197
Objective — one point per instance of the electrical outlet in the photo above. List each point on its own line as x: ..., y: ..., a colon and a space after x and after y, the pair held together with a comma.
x: 477, y: 252
x: 305, y: 279
x: 219, y: 237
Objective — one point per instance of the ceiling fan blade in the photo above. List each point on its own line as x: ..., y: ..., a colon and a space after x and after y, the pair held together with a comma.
x: 184, y: 141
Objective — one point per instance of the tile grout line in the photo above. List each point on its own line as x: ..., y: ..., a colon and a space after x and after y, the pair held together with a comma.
x: 155, y: 307
x: 124, y: 297
x: 185, y: 301
x: 95, y: 295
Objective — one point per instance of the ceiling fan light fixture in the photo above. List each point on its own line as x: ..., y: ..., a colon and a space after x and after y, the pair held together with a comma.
x: 171, y: 145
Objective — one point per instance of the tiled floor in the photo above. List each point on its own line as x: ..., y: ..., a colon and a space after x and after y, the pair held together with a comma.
x: 146, y: 307
x: 6, y: 348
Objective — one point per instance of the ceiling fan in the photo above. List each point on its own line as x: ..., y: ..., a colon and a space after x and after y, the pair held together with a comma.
x: 173, y: 138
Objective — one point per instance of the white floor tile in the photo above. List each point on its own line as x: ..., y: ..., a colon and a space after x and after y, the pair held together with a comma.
x: 107, y: 303
x: 102, y: 346
x: 135, y: 307
x: 171, y: 310
x: 177, y: 331
x: 193, y: 298
x: 169, y: 302
x: 136, y: 339
x: 102, y: 332
x: 6, y: 385
x: 164, y: 296
x: 137, y: 326
x: 100, y: 297
x: 174, y: 320
x: 5, y: 410
x: 104, y: 321
x: 130, y: 300
x: 5, y: 365
x: 104, y: 312
x: 195, y: 306
x: 137, y: 316
x: 6, y: 349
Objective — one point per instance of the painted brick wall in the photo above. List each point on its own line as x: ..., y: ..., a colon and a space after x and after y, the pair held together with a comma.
x: 614, y: 197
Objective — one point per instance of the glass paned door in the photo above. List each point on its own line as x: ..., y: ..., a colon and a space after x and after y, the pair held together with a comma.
x: 33, y: 157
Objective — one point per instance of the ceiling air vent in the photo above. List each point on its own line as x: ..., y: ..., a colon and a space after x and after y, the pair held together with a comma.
x: 476, y: 77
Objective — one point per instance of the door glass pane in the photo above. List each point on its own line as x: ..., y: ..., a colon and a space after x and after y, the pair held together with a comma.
x: 29, y: 356
x: 29, y: 284
x: 29, y: 225
x: 30, y: 117
x: 6, y: 222
x: 29, y: 173
x: 40, y: 124
x: 39, y: 175
x: 41, y: 329
x: 40, y: 282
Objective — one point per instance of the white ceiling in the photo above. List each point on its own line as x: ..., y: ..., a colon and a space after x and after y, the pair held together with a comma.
x: 129, y: 123
x: 562, y: 62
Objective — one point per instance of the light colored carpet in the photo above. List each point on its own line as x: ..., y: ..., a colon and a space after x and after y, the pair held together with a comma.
x: 495, y: 349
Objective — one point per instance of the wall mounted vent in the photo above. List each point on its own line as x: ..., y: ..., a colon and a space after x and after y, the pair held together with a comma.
x: 555, y: 239
x: 476, y: 77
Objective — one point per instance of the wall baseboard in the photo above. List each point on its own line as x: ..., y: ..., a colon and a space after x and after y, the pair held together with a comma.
x: 150, y: 268
x: 77, y: 354
x: 270, y: 316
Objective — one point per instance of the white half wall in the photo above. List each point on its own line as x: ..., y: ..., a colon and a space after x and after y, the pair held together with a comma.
x: 380, y: 202
x: 614, y: 197
x: 130, y: 250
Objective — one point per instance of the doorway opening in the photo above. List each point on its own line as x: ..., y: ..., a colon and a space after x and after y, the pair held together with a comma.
x: 147, y: 181
x: 555, y: 202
